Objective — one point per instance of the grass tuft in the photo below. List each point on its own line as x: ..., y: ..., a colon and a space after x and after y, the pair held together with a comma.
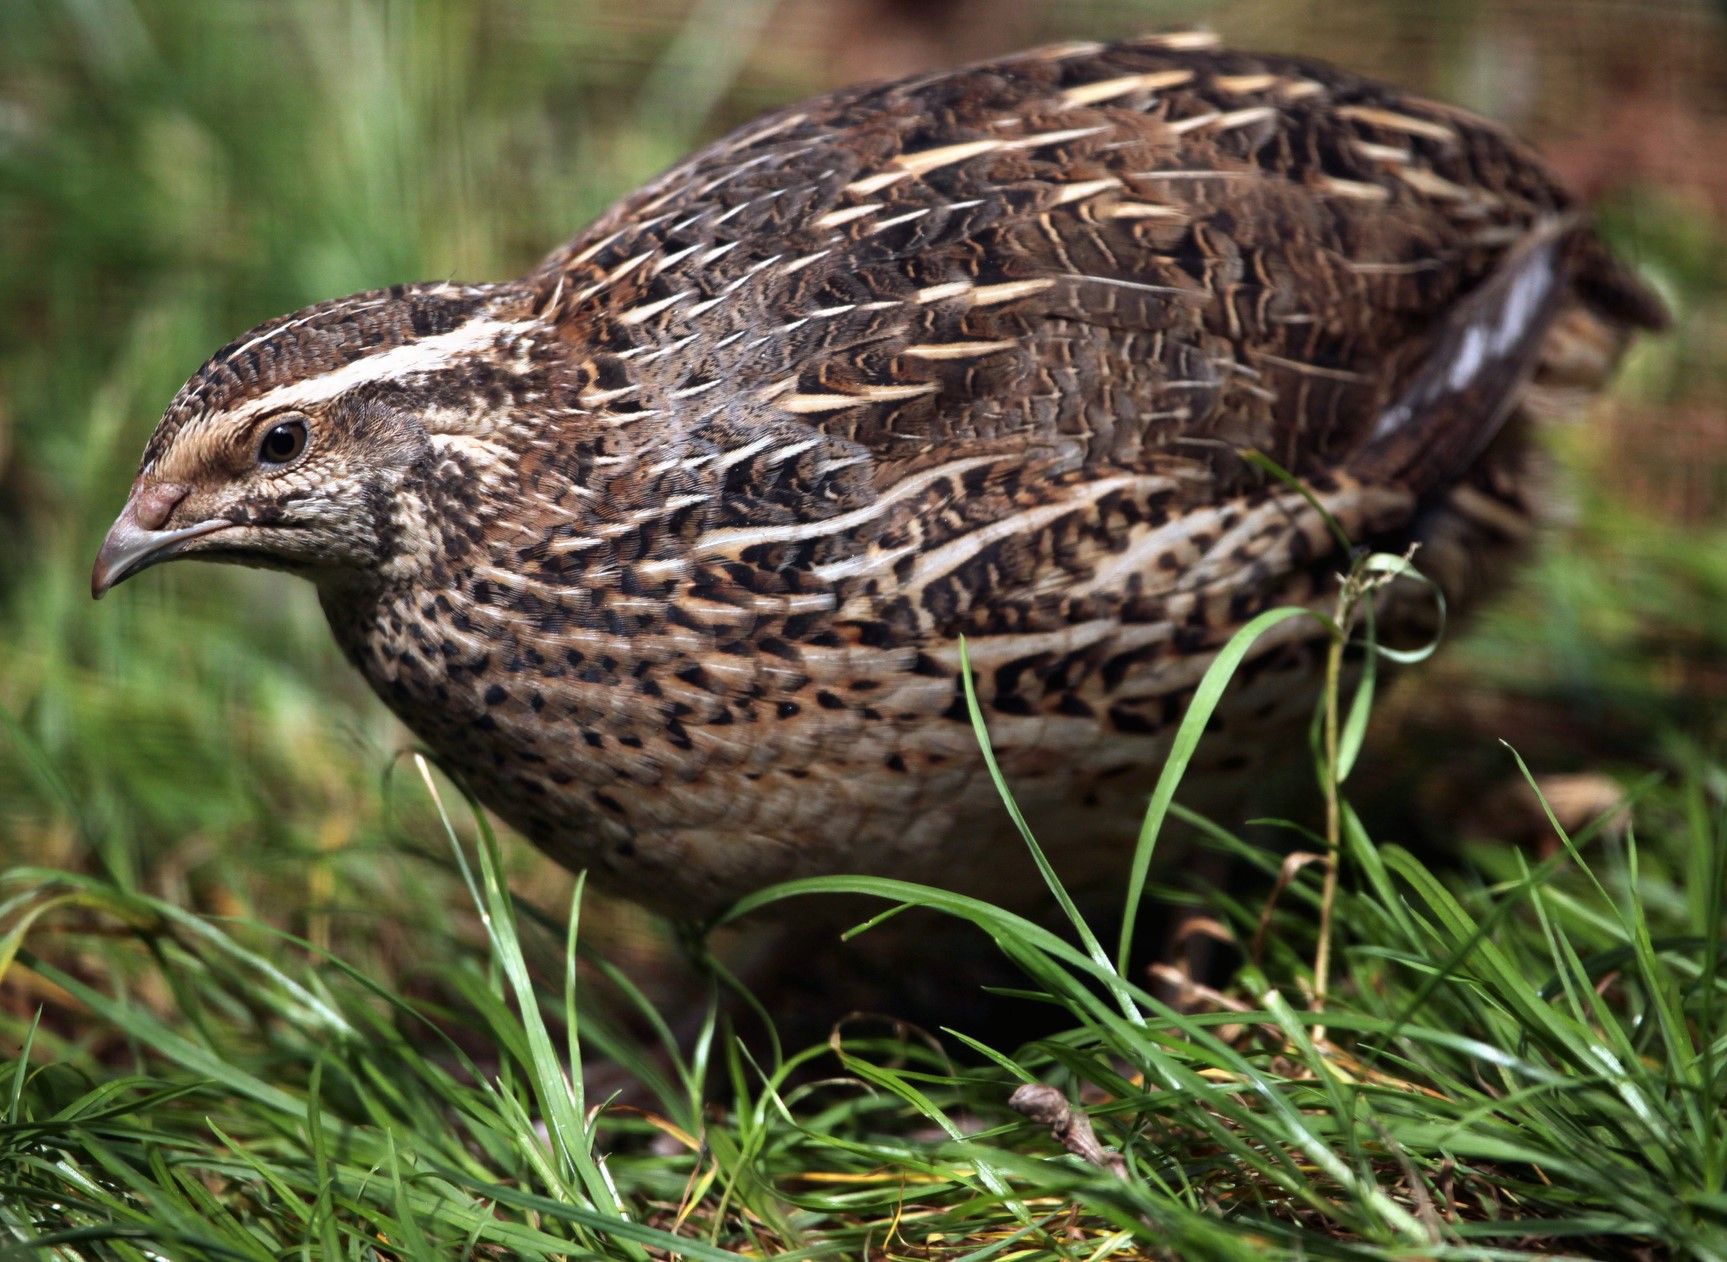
x: 1504, y: 1064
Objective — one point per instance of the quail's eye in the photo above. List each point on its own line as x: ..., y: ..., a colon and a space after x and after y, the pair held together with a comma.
x: 282, y: 442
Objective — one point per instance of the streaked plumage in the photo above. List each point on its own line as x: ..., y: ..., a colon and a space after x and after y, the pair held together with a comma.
x: 666, y: 548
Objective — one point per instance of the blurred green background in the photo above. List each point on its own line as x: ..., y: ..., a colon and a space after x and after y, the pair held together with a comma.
x: 173, y: 171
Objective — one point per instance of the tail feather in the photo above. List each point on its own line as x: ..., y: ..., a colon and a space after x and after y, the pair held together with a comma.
x: 1477, y: 363
x: 1613, y: 291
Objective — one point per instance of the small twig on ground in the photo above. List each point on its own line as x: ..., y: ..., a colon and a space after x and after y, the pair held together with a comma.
x: 1070, y: 1127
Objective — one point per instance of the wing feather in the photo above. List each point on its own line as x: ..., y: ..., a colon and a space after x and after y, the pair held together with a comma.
x: 1091, y: 276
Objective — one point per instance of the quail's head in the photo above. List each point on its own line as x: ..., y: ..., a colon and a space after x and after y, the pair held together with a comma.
x: 296, y: 447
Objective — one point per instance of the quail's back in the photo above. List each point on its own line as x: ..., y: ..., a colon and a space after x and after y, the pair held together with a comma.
x: 667, y: 548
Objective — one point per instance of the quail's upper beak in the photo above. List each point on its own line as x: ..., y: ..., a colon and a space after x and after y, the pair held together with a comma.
x: 136, y: 539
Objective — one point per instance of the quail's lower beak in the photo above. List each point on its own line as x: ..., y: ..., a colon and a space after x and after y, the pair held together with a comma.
x: 136, y: 539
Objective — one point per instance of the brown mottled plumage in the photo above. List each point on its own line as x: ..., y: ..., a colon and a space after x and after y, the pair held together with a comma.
x: 666, y: 548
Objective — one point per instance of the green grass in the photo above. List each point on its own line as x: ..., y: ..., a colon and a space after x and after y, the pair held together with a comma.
x: 1532, y: 1058
x: 263, y: 994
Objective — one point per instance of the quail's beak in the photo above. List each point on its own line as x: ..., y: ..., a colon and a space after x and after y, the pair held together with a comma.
x: 136, y: 540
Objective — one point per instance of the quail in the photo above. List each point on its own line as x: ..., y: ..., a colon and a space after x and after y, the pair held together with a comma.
x: 666, y: 549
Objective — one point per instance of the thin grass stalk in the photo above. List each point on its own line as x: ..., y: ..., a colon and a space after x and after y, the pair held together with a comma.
x: 1333, y: 813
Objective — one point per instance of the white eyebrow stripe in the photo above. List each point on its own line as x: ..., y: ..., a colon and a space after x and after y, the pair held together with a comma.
x: 412, y: 359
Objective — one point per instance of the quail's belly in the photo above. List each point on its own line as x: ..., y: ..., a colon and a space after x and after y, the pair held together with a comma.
x: 687, y: 769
